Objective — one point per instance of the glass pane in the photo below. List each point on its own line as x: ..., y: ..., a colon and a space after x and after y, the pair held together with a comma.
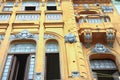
x: 4, y: 17
x: 53, y: 16
x: 31, y: 68
x: 5, y: 74
x: 4, y: 78
x: 23, y: 47
x: 102, y: 64
x: 51, y: 3
x: 52, y: 47
x: 27, y: 17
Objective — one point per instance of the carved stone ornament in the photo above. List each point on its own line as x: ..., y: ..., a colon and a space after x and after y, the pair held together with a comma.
x: 99, y: 48
x: 110, y: 35
x: 49, y: 36
x: 38, y: 76
x: 88, y: 35
x: 25, y: 34
x: 70, y: 38
x: 75, y: 74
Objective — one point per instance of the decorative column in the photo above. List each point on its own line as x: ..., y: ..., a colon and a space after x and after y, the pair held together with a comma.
x: 70, y: 39
x: 39, y: 69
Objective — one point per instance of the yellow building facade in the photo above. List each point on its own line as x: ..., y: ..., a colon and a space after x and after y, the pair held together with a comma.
x: 59, y: 40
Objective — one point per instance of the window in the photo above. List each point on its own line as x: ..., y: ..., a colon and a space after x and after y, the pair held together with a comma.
x: 23, y: 47
x: 106, y: 19
x: 104, y: 69
x: 7, y: 66
x: 20, y: 65
x: 94, y: 20
x: 75, y: 4
x: 27, y: 17
x: 102, y: 64
x: 117, y: 5
x: 52, y: 61
x: 81, y: 20
x: 30, y: 6
x: 52, y: 47
x: 118, y: 8
x: 51, y: 5
x: 86, y: 6
x: 107, y: 8
x: 4, y: 17
x: 8, y: 6
x: 1, y: 38
x: 53, y: 16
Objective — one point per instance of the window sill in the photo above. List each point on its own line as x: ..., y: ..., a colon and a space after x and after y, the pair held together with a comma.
x: 54, y: 24
x: 53, y: 11
x: 6, y: 12
x: 26, y: 23
x: 34, y: 12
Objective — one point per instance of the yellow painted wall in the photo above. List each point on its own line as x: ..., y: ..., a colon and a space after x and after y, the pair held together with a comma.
x: 74, y: 57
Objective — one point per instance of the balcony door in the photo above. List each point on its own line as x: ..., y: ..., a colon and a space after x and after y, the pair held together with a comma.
x: 52, y: 61
x: 20, y: 62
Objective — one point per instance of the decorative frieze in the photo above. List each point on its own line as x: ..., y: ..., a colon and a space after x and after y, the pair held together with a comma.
x: 25, y: 34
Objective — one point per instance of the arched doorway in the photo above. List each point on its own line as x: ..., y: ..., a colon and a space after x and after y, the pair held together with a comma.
x: 52, y: 61
x: 104, y: 67
x: 20, y: 61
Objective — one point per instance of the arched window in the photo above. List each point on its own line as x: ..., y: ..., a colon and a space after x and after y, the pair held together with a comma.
x: 20, y: 62
x: 52, y: 47
x: 104, y: 69
x: 22, y: 47
x: 52, y: 61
